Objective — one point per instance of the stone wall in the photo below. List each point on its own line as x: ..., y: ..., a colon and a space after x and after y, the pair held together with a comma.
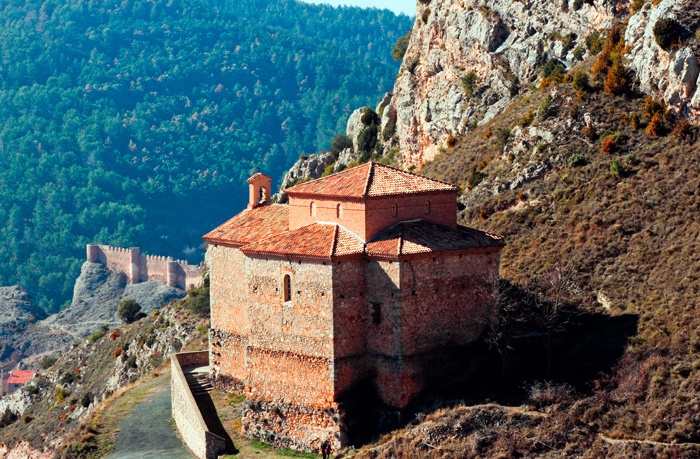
x: 188, y: 418
x: 144, y: 268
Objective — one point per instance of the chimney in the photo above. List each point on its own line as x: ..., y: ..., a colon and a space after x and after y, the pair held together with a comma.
x: 259, y: 188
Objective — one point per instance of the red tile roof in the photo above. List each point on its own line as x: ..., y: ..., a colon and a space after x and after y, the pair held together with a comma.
x: 371, y: 180
x: 417, y: 237
x: 20, y: 376
x: 251, y: 225
x: 254, y: 176
x: 318, y: 240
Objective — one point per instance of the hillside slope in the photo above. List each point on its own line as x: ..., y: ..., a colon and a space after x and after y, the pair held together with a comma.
x: 136, y: 123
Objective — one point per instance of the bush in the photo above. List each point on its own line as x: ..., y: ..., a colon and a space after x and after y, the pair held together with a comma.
x: 340, y: 142
x: 637, y: 5
x: 131, y: 362
x: 367, y: 138
x: 608, y: 145
x: 47, y: 362
x: 616, y: 168
x: 401, y: 46
x: 655, y: 127
x: 7, y: 418
x: 682, y: 129
x: 554, y: 70
x: 369, y: 117
x: 128, y: 310
x: 579, y: 52
x: 500, y: 139
x: 67, y: 378
x: 115, y: 334
x: 469, y: 82
x: 97, y: 336
x: 545, y: 107
x: 86, y: 399
x: 425, y: 16
x: 581, y: 81
x: 616, y: 79
x: 389, y: 130
x: 576, y: 159
x: 667, y: 31
x: 117, y: 352
x: 198, y: 299
x: 654, y: 107
x: 594, y: 42
x: 569, y: 41
x: 328, y: 170
x: 27, y: 419
x: 412, y: 63
x: 475, y: 178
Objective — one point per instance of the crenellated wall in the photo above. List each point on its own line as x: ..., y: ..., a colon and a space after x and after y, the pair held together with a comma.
x: 144, y: 268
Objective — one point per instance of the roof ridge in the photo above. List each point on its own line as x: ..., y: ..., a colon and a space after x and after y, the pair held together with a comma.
x: 370, y: 174
x: 334, y: 245
x: 416, y: 175
x: 335, y: 174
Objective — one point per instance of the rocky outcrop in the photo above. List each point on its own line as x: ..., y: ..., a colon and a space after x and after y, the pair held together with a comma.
x: 308, y: 167
x: 671, y: 75
x: 18, y: 310
x: 504, y: 42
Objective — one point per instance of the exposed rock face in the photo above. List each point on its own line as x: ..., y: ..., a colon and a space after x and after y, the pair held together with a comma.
x: 670, y: 75
x: 500, y: 40
x: 308, y: 167
x: 17, y: 308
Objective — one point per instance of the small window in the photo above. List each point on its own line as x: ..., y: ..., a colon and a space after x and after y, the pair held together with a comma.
x: 427, y: 207
x: 339, y: 211
x: 394, y: 210
x: 312, y: 209
x: 287, y: 288
x: 261, y: 194
x: 376, y: 313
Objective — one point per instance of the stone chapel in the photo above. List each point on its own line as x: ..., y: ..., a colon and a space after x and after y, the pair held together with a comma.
x: 364, y: 274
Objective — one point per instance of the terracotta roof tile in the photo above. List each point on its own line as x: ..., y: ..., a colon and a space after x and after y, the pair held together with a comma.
x: 371, y: 180
x: 256, y: 175
x: 416, y: 237
x: 20, y: 376
x: 251, y: 225
x: 318, y: 240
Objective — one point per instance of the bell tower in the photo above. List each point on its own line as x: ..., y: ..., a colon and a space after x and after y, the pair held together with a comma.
x: 259, y: 190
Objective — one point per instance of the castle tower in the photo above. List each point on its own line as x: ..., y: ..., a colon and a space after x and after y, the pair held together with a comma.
x: 259, y: 190
x: 135, y: 268
x: 172, y: 273
x: 93, y: 252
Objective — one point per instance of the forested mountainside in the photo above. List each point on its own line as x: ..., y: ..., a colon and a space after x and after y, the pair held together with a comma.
x: 135, y: 123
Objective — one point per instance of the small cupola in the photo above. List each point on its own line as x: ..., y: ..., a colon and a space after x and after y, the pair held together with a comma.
x: 260, y: 187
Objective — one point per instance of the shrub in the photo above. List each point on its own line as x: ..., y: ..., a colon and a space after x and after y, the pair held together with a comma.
x: 635, y: 120
x: 579, y: 52
x: 27, y: 419
x: 655, y: 126
x: 117, y: 352
x: 401, y: 46
x: 369, y: 117
x: 654, y: 107
x: 569, y: 41
x: 47, y: 362
x: 608, y: 145
x: 198, y: 299
x: 451, y: 141
x: 616, y: 79
x: 389, y: 130
x: 594, y: 42
x: 525, y: 120
x: 667, y: 32
x: 554, y: 70
x: 590, y: 133
x: 340, y: 142
x: 67, y: 378
x: 681, y: 129
x: 616, y: 168
x: 7, y: 418
x: 131, y: 362
x: 576, y: 159
x: 581, y: 81
x: 367, y: 138
x: 514, y: 86
x: 114, y: 335
x: 545, y: 107
x: 469, y: 82
x: 97, y: 336
x: 128, y: 310
x: 412, y: 63
x: 328, y: 170
x: 637, y: 5
x: 500, y: 139
x: 475, y: 178
x: 86, y: 399
x: 425, y: 16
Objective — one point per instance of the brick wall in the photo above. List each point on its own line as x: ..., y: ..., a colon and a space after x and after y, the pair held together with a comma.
x: 144, y: 268
x: 188, y: 418
x: 372, y: 216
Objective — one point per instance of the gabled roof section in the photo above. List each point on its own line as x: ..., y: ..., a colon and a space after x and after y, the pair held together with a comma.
x: 256, y: 176
x: 20, y: 376
x: 421, y: 237
x: 251, y: 225
x: 318, y: 240
x: 370, y: 180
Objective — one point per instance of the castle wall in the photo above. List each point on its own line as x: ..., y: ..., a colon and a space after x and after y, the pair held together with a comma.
x: 145, y: 268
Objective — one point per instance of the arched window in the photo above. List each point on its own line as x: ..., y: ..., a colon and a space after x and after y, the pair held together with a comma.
x: 339, y: 211
x: 261, y: 195
x: 287, y: 288
x: 427, y: 207
x: 312, y: 209
x: 394, y: 210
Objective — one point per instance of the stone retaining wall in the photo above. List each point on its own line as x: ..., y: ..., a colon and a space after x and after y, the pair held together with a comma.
x: 188, y: 418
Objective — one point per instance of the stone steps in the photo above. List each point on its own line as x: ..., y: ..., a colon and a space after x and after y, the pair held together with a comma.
x: 199, y: 383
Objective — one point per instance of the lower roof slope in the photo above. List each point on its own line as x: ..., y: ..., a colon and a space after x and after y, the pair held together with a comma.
x: 251, y: 225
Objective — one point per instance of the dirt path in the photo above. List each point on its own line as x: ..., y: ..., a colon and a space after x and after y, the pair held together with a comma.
x: 148, y: 432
